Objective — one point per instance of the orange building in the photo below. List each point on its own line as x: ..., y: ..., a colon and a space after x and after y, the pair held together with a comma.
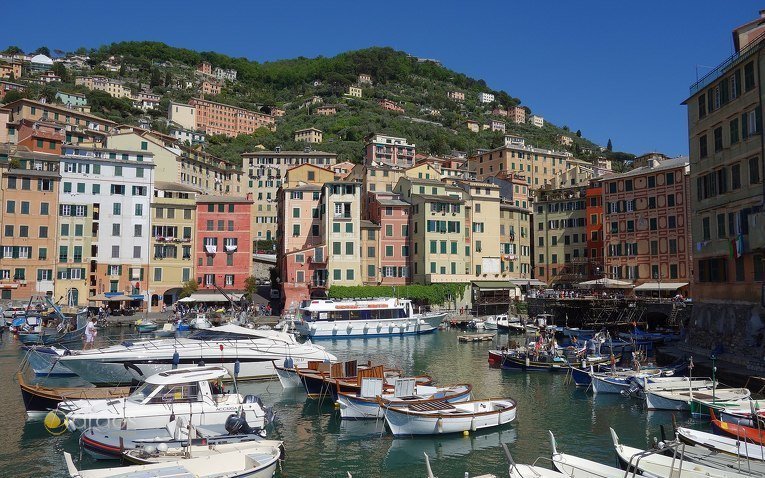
x: 41, y: 136
x: 218, y: 118
x: 594, y: 227
x: 211, y: 88
x: 11, y: 69
x: 28, y: 243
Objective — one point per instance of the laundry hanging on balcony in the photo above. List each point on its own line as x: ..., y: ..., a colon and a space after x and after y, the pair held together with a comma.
x: 211, y: 249
x: 231, y: 248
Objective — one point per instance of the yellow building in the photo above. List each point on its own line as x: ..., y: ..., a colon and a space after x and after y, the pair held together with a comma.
x: 171, y: 262
x: 354, y: 91
x: 341, y: 210
x: 515, y: 240
x: 307, y: 173
x: 482, y: 240
x: 113, y: 88
x: 438, y: 229
x: 309, y: 135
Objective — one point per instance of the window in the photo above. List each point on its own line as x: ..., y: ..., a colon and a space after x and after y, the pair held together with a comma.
x: 117, y: 209
x: 136, y: 252
x: 706, y: 233
x: 296, y: 212
x: 405, y: 250
x: 337, y: 248
x: 652, y: 179
x: 653, y: 223
x: 758, y: 261
x: 349, y: 274
x: 118, y: 171
x: 702, y: 146
x: 370, y: 251
x: 10, y: 207
x: 739, y: 263
x: 673, y: 246
x: 433, y: 247
x: 115, y: 252
x: 24, y: 207
x: 349, y: 227
x: 137, y: 230
x: 388, y: 251
x: 116, y: 229
x: 349, y: 248
x: 702, y: 106
x: 158, y: 274
x: 754, y: 170
x: 8, y: 230
x: 748, y: 76
x: 735, y: 173
x: 43, y: 232
x: 733, y: 131
x: 77, y: 254
x: 652, y: 202
x: 670, y: 200
x: 139, y: 209
x: 721, y: 226
x: 389, y: 230
x: 718, y: 139
x: 671, y: 222
x: 44, y: 208
x: 405, y: 230
x: 295, y: 230
x: 63, y: 253
x: 96, y: 189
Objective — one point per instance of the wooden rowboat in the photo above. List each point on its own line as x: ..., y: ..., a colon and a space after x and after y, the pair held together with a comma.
x: 39, y: 400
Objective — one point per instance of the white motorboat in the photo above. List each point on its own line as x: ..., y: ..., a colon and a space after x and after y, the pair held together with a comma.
x: 254, y: 351
x: 334, y: 319
x: 364, y: 404
x: 575, y: 467
x: 736, y: 448
x: 189, y: 393
x: 490, y: 323
x: 618, y: 382
x: 531, y: 471
x: 150, y: 453
x: 683, y: 400
x: 200, y: 322
x: 657, y: 465
x: 44, y: 361
x: 253, y: 461
x: 435, y: 418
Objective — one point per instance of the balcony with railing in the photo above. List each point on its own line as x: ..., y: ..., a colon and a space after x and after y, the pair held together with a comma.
x: 723, y: 67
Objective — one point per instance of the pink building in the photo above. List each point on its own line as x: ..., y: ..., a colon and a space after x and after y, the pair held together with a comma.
x: 223, y: 242
x: 390, y: 106
x: 388, y: 150
x: 391, y: 214
x: 516, y: 114
x: 499, y: 112
x: 300, y: 248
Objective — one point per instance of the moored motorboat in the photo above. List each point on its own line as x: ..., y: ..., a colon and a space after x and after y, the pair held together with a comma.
x: 490, y: 323
x: 244, y: 461
x: 145, y: 326
x: 573, y: 466
x: 364, y: 404
x: 743, y: 450
x: 336, y: 319
x: 44, y: 361
x: 435, y: 418
x: 145, y: 455
x: 254, y: 350
x: 39, y: 400
x: 193, y: 393
x: 654, y: 464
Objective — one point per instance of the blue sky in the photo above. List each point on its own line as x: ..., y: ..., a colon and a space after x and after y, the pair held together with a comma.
x: 613, y: 69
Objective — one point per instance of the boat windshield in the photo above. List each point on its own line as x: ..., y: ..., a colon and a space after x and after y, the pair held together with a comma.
x: 142, y: 393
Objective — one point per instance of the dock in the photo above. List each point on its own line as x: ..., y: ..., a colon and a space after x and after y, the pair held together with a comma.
x: 476, y: 337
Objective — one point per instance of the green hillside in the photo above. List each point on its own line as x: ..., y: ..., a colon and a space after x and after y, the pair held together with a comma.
x: 417, y: 86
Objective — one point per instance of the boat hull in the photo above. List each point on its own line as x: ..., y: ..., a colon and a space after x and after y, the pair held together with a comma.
x: 347, y: 329
x: 609, y: 385
x: 522, y: 364
x: 402, y: 423
x: 581, y: 377
x: 355, y: 408
x: 655, y: 401
x: 45, y: 362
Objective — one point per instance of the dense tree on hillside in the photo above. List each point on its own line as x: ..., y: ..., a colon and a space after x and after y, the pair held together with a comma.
x: 43, y: 50
x: 60, y: 70
x: 12, y: 96
x: 609, y: 146
x: 13, y: 50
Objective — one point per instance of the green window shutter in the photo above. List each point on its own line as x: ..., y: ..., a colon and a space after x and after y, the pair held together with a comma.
x: 120, y: 270
x: 141, y: 274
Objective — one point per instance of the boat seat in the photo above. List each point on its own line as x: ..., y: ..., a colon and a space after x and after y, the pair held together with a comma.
x: 258, y: 458
x: 174, y: 471
x: 430, y: 406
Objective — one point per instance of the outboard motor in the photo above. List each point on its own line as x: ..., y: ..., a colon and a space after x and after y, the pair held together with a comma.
x: 237, y: 425
x: 269, y: 411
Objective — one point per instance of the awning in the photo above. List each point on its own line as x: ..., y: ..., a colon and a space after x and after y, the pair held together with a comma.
x: 198, y: 297
x: 527, y: 282
x: 606, y: 284
x: 661, y: 286
x: 493, y: 284
x: 114, y: 298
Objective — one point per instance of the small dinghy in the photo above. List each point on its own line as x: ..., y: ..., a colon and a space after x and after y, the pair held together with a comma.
x: 364, y: 405
x: 145, y: 326
x: 440, y: 417
x: 167, y: 330
x: 246, y: 461
x: 737, y: 431
x: 573, y: 466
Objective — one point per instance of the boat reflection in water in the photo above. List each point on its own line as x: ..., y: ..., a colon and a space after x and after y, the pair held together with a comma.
x: 409, y: 451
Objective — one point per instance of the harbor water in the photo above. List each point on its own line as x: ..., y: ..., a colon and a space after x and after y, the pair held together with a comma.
x: 319, y: 444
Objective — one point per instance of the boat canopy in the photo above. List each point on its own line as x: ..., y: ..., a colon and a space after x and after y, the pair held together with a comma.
x: 198, y: 297
x: 188, y: 374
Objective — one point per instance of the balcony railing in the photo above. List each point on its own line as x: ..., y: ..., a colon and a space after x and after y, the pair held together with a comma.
x: 720, y: 69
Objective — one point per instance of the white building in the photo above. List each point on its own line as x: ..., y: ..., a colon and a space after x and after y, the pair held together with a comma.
x: 224, y: 74
x: 537, y: 121
x: 485, y: 97
x: 193, y: 137
x: 116, y: 186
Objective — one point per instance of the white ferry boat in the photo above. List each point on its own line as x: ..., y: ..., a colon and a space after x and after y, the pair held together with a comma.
x: 332, y: 319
